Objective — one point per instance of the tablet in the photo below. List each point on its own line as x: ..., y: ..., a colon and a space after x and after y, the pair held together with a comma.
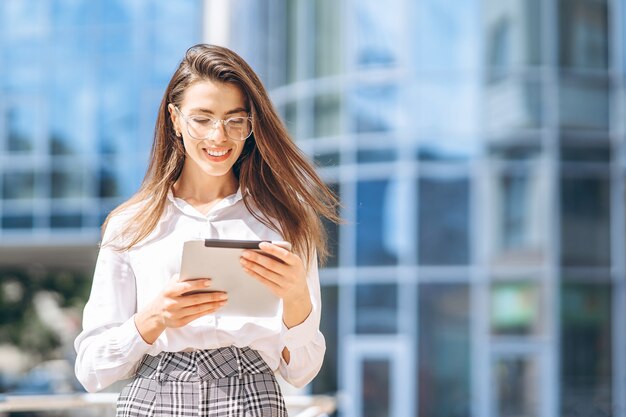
x: 218, y: 259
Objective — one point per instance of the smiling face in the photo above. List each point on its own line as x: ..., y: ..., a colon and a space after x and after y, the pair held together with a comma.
x: 215, y: 155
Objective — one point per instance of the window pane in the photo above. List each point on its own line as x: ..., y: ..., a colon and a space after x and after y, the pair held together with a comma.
x: 117, y: 119
x: 326, y: 380
x: 19, y: 221
x: 66, y: 221
x: 516, y: 383
x: 109, y: 186
x: 444, y: 350
x: 584, y: 103
x: 518, y: 218
x: 515, y: 308
x: 575, y: 152
x: 432, y: 102
x: 292, y: 39
x: 328, y: 46
x: 327, y: 115
x: 18, y: 185
x: 586, y: 352
x: 22, y: 120
x: 585, y: 227
x: 374, y: 109
x: 378, y: 36
x: 443, y: 221
x: 327, y: 159
x: 512, y: 103
x: 72, y: 102
x: 446, y: 34
x: 513, y: 34
x: 583, y: 33
x: 332, y: 234
x: 378, y: 226
x: 375, y: 155
x: 67, y: 184
x: 375, y: 398
x: 376, y: 308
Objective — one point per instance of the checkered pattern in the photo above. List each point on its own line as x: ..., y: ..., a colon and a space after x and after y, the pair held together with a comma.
x: 224, y: 382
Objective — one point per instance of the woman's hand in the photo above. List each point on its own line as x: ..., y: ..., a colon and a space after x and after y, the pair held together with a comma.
x: 174, y: 307
x: 285, y: 277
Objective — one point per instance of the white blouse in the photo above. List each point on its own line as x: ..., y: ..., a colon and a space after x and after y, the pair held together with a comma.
x: 110, y: 348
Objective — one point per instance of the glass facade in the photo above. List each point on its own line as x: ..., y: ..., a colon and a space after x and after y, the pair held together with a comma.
x: 478, y: 148
x: 80, y: 83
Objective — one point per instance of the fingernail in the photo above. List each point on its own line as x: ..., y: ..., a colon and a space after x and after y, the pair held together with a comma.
x: 224, y: 297
x: 207, y: 283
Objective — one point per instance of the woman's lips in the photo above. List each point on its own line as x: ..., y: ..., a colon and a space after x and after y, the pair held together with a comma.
x: 218, y: 155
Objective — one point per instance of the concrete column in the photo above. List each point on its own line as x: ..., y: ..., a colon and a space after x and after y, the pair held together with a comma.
x: 216, y: 22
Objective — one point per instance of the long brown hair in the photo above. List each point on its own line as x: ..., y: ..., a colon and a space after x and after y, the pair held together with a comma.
x: 274, y: 176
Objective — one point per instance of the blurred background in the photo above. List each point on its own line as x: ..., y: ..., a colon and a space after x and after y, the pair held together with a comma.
x: 478, y: 148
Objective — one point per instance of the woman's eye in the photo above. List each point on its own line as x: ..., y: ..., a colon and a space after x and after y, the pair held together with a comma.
x: 202, y: 121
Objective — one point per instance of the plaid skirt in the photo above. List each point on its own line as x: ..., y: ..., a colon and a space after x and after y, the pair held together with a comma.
x: 224, y: 382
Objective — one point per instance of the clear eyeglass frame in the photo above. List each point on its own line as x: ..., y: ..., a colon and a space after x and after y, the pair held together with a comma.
x: 225, y: 124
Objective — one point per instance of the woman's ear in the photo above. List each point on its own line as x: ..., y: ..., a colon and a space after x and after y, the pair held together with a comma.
x: 174, y: 118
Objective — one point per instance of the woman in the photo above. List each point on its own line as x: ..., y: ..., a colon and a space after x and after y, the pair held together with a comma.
x: 222, y: 166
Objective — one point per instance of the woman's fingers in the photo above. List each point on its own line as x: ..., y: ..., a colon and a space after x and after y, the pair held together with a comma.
x: 188, y: 319
x: 274, y: 286
x: 191, y: 313
x: 277, y: 266
x: 250, y: 266
x: 202, y: 298
x: 205, y: 307
x: 183, y: 287
x: 281, y: 253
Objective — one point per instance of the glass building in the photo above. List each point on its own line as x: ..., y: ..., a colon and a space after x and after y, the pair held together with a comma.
x: 478, y: 150
x: 478, y: 147
x: 80, y: 83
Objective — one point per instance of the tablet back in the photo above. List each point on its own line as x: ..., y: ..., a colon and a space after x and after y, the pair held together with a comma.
x: 247, y: 297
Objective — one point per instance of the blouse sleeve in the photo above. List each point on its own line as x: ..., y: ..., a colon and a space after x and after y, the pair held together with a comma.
x: 305, y: 341
x: 109, y: 348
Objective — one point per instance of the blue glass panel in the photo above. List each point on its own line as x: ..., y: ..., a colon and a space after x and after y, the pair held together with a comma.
x: 374, y: 108
x: 446, y: 34
x: 67, y: 183
x: 517, y: 386
x: 117, y: 121
x: 584, y: 102
x: 376, y: 394
x: 72, y: 103
x: 18, y: 185
x: 444, y: 221
x: 376, y: 155
x: 326, y: 381
x: 378, y: 237
x: 108, y: 183
x: 20, y: 221
x: 167, y: 47
x: 378, y: 35
x: 586, y: 366
x: 443, y: 333
x: 66, y: 221
x: 585, y: 222
x: 583, y: 34
x: 22, y: 119
x: 446, y: 106
x: 376, y: 308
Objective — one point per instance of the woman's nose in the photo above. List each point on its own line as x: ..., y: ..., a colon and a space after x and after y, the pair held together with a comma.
x: 218, y: 134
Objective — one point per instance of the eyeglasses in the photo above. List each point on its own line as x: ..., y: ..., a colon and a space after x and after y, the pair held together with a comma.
x: 202, y: 127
